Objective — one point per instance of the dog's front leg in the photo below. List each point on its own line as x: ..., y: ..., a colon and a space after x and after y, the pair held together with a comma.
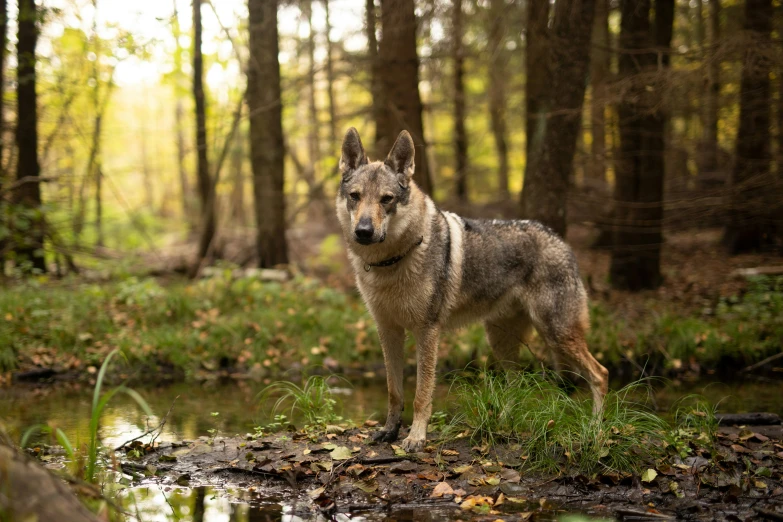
x: 426, y: 359
x: 393, y: 344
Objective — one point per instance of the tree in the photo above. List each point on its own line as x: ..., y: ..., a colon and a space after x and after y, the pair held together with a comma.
x: 752, y: 224
x: 460, y: 136
x: 556, y: 119
x: 638, y: 194
x: 599, y: 74
x: 399, y: 64
x: 497, y: 89
x: 206, y: 189
x: 266, y: 133
x: 28, y: 194
x: 380, y: 113
x: 709, y: 168
x: 3, y: 42
x: 330, y: 78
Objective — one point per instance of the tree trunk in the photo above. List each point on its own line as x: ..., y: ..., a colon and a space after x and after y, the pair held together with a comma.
x: 400, y: 75
x: 709, y: 172
x: 558, y: 113
x: 179, y: 117
x: 3, y: 177
x: 28, y: 196
x: 599, y: 74
x: 460, y: 136
x: 752, y: 225
x: 497, y: 89
x: 330, y: 79
x: 238, y: 182
x: 380, y: 114
x: 266, y: 133
x: 314, y: 146
x: 537, y: 70
x: 206, y: 190
x: 638, y: 194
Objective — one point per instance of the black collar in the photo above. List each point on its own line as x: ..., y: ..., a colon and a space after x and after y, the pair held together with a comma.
x: 392, y: 260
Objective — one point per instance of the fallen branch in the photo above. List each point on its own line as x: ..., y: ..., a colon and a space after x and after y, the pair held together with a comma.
x: 762, y: 363
x: 750, y: 419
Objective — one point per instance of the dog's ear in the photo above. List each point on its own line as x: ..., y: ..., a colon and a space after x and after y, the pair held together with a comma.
x: 353, y: 155
x: 400, y: 159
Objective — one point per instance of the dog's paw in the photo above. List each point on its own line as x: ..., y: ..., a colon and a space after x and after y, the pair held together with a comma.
x: 411, y: 445
x: 385, y: 435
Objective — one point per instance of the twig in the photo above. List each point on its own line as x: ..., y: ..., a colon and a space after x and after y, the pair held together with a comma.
x: 152, y: 430
x: 762, y: 363
x: 772, y: 515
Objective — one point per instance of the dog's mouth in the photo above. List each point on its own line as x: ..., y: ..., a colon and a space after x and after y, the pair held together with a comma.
x: 370, y: 241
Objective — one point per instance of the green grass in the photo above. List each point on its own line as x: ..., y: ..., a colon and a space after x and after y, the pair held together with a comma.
x: 184, y: 328
x: 313, y: 401
x: 555, y: 431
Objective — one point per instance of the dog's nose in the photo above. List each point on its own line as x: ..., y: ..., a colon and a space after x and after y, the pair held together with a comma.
x: 364, y: 230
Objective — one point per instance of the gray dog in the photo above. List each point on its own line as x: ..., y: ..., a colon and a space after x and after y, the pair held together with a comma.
x: 425, y: 270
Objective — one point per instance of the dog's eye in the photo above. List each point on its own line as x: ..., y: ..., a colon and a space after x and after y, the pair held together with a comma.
x: 385, y: 200
x: 355, y: 196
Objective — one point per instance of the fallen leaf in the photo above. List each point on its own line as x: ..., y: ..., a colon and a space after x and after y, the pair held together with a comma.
x: 370, y: 423
x: 492, y: 481
x: 368, y: 486
x: 316, y: 492
x: 649, y: 475
x: 459, y: 470
x: 450, y: 453
x: 340, y: 453
x: 441, y: 489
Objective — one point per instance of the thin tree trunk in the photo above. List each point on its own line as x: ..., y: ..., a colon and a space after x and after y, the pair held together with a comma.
x: 96, y: 103
x: 266, y: 133
x: 330, y: 79
x: 537, y: 70
x: 3, y: 176
x: 400, y: 66
x: 558, y: 113
x: 179, y: 114
x: 314, y: 146
x: 636, y: 254
x: 460, y: 136
x: 599, y: 74
x: 709, y: 173
x: 238, y: 182
x: 205, y: 188
x: 497, y: 90
x: 380, y: 114
x: 146, y: 173
x: 752, y: 223
x: 28, y: 196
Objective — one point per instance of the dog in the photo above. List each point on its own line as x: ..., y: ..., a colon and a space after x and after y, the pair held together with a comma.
x: 425, y: 270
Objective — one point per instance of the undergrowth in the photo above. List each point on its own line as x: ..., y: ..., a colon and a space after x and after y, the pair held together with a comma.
x: 554, y: 430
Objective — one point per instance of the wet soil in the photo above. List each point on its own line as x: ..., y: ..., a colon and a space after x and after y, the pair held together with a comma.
x: 737, y: 477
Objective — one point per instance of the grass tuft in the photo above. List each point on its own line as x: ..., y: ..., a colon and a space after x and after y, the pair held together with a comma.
x: 313, y: 401
x: 556, y: 431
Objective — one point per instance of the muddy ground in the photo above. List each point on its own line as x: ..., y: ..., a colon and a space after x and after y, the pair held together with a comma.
x: 737, y: 477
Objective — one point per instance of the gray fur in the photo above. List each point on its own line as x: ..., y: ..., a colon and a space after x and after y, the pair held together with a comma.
x: 512, y: 275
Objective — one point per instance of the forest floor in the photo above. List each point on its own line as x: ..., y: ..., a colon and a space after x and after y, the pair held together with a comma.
x: 707, y: 319
x: 738, y: 476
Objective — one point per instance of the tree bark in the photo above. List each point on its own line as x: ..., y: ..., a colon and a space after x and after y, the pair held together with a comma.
x: 400, y: 75
x: 206, y: 190
x: 380, y: 114
x: 709, y: 172
x: 752, y: 212
x: 314, y: 146
x: 636, y: 253
x: 460, y: 135
x: 599, y: 74
x: 266, y: 133
x: 29, y: 248
x: 497, y: 90
x: 537, y: 70
x: 238, y: 182
x: 558, y: 113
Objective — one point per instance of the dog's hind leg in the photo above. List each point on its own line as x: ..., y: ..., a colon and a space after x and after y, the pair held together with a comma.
x: 505, y: 336
x: 393, y: 344
x: 564, y: 328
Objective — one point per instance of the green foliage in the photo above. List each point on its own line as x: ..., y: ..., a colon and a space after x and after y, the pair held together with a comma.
x: 313, y: 401
x: 554, y: 430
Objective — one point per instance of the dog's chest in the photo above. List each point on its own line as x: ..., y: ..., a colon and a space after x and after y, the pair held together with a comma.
x: 403, y: 300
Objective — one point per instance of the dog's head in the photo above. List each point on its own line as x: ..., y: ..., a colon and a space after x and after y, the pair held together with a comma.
x: 374, y: 193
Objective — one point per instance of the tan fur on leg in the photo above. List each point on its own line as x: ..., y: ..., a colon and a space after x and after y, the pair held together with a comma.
x: 426, y: 359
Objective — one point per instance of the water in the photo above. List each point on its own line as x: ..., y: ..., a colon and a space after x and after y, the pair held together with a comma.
x: 239, y: 409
